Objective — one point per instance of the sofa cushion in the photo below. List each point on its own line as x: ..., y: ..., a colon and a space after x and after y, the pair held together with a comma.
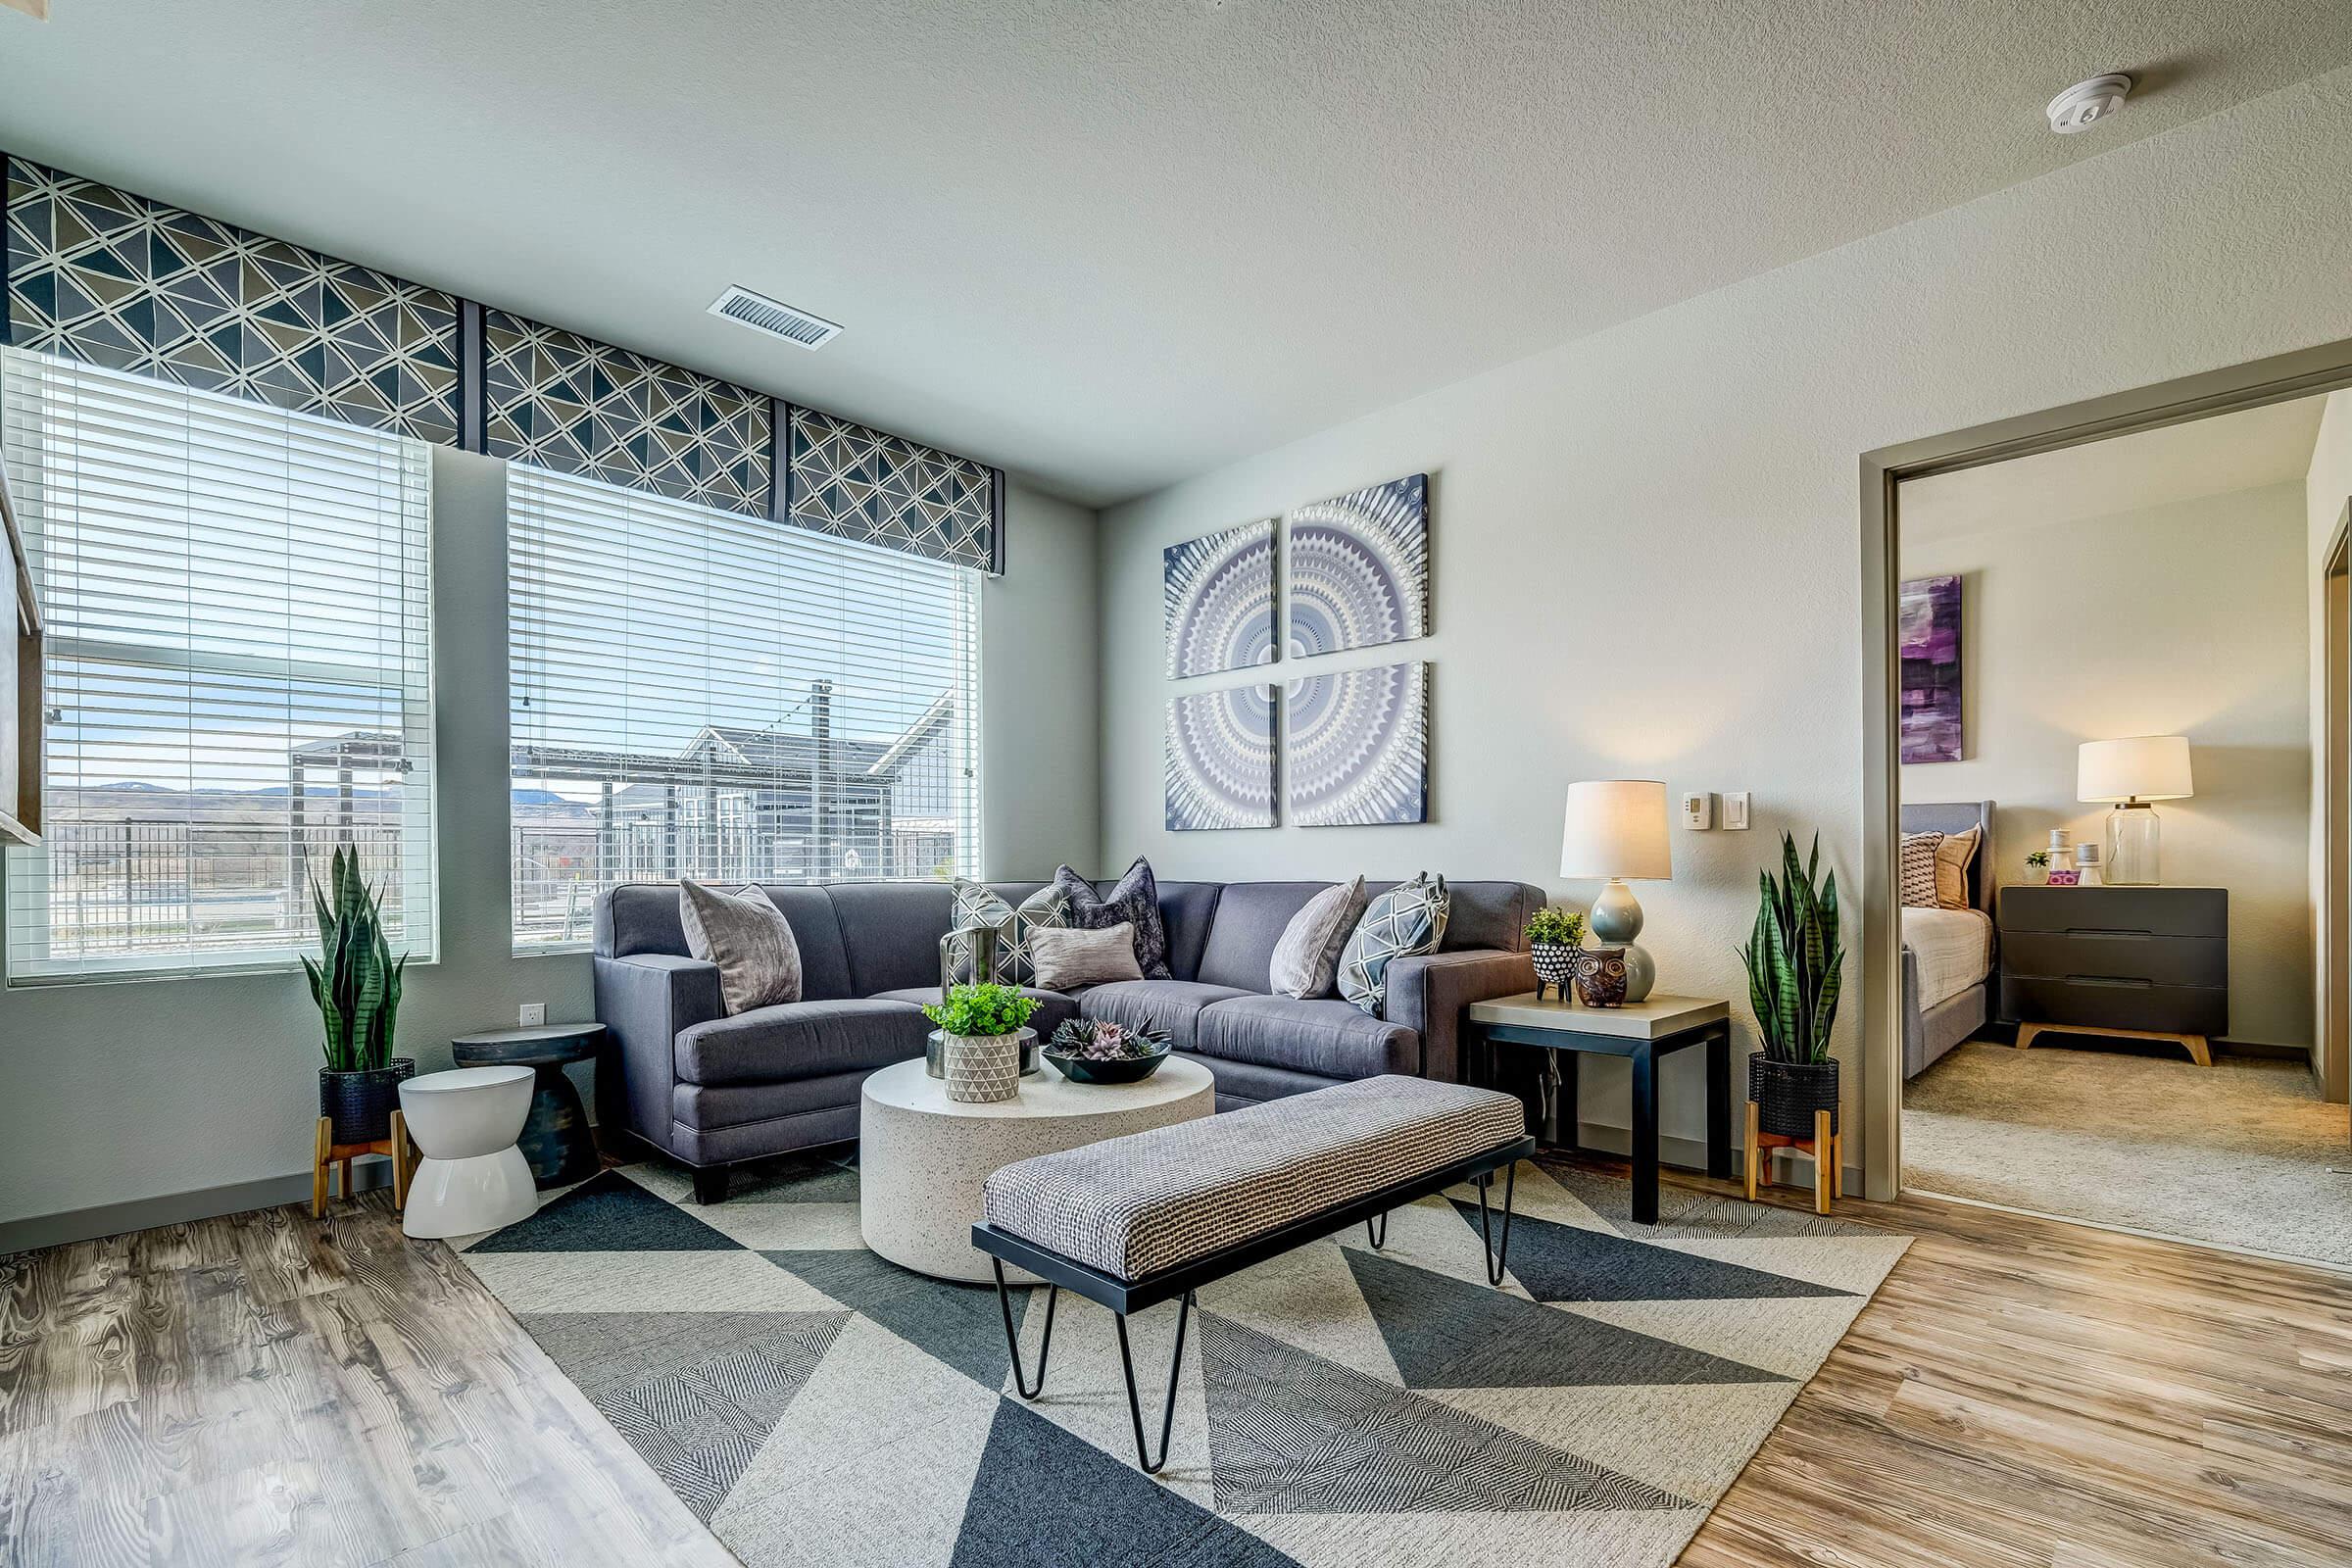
x: 1250, y: 920
x: 892, y: 931
x: 981, y: 906
x: 1306, y: 960
x: 1054, y: 1010
x: 1170, y: 1005
x: 1406, y: 921
x: 747, y: 939
x: 801, y: 1039
x: 1135, y: 900
x: 1325, y: 1035
x: 1186, y: 909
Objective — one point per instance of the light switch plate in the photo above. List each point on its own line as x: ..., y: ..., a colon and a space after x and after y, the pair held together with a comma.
x: 1698, y: 811
x: 1735, y: 810
x: 534, y: 1014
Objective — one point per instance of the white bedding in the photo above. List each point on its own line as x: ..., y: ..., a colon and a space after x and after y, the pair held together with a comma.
x: 1955, y: 948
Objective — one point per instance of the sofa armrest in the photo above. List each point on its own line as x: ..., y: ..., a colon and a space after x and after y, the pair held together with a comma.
x: 1430, y: 994
x: 645, y: 999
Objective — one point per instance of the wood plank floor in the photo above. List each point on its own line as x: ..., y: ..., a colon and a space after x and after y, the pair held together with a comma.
x: 267, y: 1389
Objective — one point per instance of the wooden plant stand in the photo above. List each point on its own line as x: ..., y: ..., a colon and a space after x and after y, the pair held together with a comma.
x: 394, y: 1147
x: 1829, y: 1174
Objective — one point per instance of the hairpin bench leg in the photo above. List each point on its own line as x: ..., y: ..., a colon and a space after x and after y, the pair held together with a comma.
x: 1498, y: 1258
x: 1135, y: 1405
x: 1376, y: 1230
x: 1045, y: 1342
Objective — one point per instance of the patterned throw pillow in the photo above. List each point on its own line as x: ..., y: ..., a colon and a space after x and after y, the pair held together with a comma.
x: 1136, y: 901
x: 747, y: 935
x: 1404, y: 922
x: 1919, y: 871
x: 979, y: 905
x: 1952, y: 867
x: 1306, y: 960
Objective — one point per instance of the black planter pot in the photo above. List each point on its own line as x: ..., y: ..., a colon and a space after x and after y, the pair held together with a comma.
x: 1788, y: 1094
x: 360, y: 1105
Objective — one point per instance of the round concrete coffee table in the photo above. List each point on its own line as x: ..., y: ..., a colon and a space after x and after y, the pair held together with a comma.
x: 922, y: 1157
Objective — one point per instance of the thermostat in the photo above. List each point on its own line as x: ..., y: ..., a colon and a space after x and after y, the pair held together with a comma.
x: 1698, y: 811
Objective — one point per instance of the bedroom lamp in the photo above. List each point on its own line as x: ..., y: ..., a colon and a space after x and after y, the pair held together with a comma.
x: 1615, y: 830
x: 2130, y: 773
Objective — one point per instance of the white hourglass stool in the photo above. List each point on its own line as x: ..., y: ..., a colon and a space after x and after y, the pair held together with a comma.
x: 472, y: 1178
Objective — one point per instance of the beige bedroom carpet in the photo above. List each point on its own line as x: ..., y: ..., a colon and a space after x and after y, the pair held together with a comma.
x: 2238, y: 1152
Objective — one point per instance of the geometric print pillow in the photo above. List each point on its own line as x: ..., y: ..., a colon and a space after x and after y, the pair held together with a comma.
x: 1919, y: 870
x: 978, y: 905
x: 1404, y: 922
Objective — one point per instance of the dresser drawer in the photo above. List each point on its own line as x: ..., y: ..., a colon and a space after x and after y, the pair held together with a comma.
x: 2139, y: 911
x: 2117, y: 1005
x: 2157, y: 961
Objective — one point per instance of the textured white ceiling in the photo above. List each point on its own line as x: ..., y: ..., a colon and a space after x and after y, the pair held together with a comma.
x: 2213, y: 456
x: 1107, y: 243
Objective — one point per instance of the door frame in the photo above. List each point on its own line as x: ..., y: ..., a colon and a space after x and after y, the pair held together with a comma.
x: 2332, y: 1058
x: 2279, y: 378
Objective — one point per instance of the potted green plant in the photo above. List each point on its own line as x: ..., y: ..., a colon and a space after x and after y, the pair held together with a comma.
x: 2037, y: 867
x: 1794, y: 961
x: 356, y: 983
x: 980, y: 1030
x: 1553, y: 937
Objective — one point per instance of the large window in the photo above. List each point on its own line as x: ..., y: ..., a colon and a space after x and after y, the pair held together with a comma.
x: 239, y: 677
x: 701, y: 693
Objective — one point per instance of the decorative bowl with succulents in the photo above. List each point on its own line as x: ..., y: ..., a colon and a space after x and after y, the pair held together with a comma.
x: 1097, y: 1051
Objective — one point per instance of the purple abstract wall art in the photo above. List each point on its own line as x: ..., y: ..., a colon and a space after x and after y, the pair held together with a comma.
x: 1928, y: 637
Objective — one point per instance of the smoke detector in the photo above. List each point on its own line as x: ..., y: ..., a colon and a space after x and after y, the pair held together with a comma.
x: 2086, y: 103
x: 776, y: 318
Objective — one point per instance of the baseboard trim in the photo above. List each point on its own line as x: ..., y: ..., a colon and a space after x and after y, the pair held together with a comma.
x: 173, y: 1208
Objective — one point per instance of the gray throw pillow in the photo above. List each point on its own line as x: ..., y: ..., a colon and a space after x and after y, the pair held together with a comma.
x: 748, y: 937
x: 979, y: 905
x: 1136, y: 901
x: 1404, y: 922
x: 1069, y: 958
x: 1306, y: 960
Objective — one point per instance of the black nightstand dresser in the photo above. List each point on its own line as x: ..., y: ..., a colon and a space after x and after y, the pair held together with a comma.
x: 2148, y: 963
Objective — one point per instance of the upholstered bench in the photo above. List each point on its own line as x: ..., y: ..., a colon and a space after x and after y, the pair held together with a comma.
x: 1151, y: 1217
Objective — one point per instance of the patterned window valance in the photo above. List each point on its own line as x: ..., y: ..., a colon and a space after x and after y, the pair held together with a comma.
x: 859, y: 483
x: 114, y: 279
x: 577, y: 406
x: 110, y: 279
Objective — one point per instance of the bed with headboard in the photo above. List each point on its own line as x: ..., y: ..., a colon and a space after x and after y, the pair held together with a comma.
x: 1947, y: 953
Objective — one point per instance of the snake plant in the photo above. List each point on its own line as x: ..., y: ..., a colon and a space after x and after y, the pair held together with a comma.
x: 355, y: 980
x: 1795, y: 959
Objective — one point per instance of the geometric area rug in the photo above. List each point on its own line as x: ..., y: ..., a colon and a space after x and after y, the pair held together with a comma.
x: 813, y: 1403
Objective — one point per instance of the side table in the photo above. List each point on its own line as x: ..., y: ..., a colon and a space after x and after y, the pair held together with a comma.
x: 1641, y: 1032
x: 555, y: 1140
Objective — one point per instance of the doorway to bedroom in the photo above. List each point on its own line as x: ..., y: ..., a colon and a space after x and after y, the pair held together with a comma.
x: 2113, y: 714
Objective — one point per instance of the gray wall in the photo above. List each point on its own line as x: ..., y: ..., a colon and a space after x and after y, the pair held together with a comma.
x: 1646, y: 542
x: 2137, y: 624
x: 130, y: 1103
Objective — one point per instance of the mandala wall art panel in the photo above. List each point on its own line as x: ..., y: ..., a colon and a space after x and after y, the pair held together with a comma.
x: 1358, y: 751
x: 1360, y: 569
x: 1220, y: 759
x: 1218, y: 591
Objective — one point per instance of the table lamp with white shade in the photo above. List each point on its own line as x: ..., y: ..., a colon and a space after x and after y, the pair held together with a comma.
x: 1616, y: 830
x: 2130, y: 774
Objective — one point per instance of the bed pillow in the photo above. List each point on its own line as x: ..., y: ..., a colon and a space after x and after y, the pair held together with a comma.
x: 1306, y: 960
x: 748, y: 937
x: 1071, y: 959
x: 1136, y: 901
x: 1919, y: 871
x: 1404, y: 922
x: 1952, y: 867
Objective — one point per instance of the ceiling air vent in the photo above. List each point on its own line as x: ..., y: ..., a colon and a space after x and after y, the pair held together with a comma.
x: 775, y: 319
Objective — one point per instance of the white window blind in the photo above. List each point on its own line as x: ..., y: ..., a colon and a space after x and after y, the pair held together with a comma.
x: 702, y: 693
x: 239, y: 673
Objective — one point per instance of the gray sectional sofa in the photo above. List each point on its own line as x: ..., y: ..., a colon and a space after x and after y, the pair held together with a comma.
x: 714, y: 1090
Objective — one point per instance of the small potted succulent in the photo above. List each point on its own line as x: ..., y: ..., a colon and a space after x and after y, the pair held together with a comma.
x: 2037, y: 867
x: 981, y: 1028
x: 354, y: 983
x: 1794, y: 963
x: 1097, y: 1051
x: 1553, y: 938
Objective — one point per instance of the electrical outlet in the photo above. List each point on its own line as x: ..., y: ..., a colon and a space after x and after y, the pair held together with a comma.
x: 534, y: 1014
x: 1698, y: 811
x: 1735, y: 810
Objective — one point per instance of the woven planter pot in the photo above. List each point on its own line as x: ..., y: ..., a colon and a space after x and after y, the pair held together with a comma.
x: 982, y: 1069
x: 1788, y: 1094
x: 360, y: 1105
